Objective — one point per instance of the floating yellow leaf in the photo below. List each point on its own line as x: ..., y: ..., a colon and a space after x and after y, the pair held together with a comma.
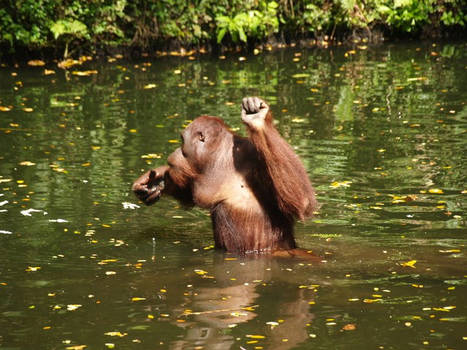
x: 116, y: 334
x: 84, y: 73
x: 151, y: 156
x: 255, y: 336
x: 444, y: 308
x: 76, y: 347
x: 201, y: 272
x: 149, y: 86
x: 137, y: 299
x: 410, y: 263
x: 4, y: 109
x: 36, y: 63
x: 300, y: 75
x: 73, y: 307
x: 349, y: 327
x: 33, y: 268
x: 337, y: 184
x: 49, y: 72
x: 27, y: 163
x: 28, y: 109
x: 174, y: 141
x: 106, y: 261
x: 370, y: 301
x: 435, y: 190
x: 417, y: 79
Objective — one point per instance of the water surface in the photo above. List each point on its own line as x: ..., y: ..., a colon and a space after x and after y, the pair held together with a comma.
x: 381, y: 131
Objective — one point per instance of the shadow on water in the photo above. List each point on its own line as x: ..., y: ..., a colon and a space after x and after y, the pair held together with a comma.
x: 381, y: 132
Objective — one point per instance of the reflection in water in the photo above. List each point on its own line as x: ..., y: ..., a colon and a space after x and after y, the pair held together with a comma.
x: 230, y: 295
x: 381, y: 132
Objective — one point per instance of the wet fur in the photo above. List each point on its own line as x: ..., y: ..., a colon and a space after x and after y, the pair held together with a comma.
x: 255, y: 188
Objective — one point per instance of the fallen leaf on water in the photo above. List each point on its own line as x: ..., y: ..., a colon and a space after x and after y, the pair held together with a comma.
x: 370, y: 301
x: 49, y: 72
x: 76, y: 347
x: 116, y: 334
x: 4, y: 109
x: 68, y: 63
x: 151, y: 156
x: 349, y: 327
x: 137, y: 299
x: 84, y: 73
x: 450, y: 251
x: 435, y: 190
x: 73, y: 307
x: 444, y: 308
x: 27, y: 163
x: 33, y: 268
x: 201, y: 272
x: 337, y: 184
x: 149, y: 86
x: 255, y: 336
x: 300, y: 75
x: 28, y: 109
x: 410, y: 263
x: 36, y: 63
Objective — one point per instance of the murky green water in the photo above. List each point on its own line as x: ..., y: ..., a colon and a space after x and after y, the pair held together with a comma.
x: 382, y: 133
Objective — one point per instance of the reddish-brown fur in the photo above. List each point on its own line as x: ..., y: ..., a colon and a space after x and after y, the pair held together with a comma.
x: 255, y: 188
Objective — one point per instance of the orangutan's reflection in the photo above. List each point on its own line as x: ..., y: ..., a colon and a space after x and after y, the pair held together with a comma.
x: 215, y: 312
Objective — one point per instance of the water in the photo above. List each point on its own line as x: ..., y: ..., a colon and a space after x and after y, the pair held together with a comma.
x: 381, y: 132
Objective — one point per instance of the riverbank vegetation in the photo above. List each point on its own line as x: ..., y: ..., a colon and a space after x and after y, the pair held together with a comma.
x: 68, y: 27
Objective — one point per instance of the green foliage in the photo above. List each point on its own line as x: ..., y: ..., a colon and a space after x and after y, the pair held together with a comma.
x: 70, y: 27
x: 254, y: 23
x: 42, y: 23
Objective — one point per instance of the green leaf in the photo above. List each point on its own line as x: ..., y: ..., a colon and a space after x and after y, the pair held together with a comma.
x: 220, y: 35
x: 72, y: 27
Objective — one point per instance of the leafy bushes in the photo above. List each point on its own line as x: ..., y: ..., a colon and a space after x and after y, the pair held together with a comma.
x: 37, y: 24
